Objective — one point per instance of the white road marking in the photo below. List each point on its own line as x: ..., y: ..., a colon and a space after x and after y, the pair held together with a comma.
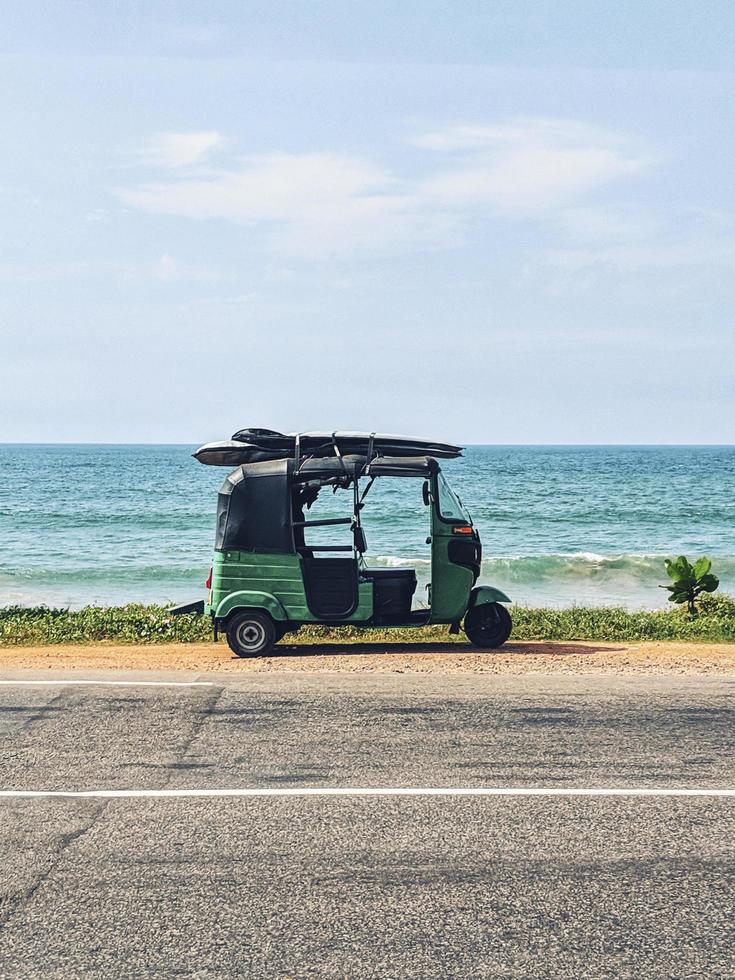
x: 124, y: 794
x: 109, y: 683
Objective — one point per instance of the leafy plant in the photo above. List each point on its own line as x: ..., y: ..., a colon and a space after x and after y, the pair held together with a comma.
x: 136, y: 624
x: 689, y: 581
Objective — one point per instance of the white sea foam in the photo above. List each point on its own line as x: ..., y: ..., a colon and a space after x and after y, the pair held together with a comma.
x: 566, y: 578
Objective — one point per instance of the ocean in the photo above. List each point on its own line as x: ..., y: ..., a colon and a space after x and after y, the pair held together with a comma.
x: 560, y: 525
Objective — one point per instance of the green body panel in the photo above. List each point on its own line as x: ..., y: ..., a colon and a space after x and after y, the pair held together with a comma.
x: 364, y: 611
x: 277, y: 576
x: 275, y: 583
x: 483, y: 594
x: 450, y: 583
x: 252, y: 600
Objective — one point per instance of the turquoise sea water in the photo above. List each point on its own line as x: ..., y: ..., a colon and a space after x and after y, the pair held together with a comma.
x: 559, y: 525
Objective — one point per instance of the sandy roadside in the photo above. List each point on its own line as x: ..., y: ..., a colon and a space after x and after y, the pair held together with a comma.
x: 579, y: 657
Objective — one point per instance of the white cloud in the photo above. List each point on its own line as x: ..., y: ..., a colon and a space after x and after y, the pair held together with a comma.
x: 316, y: 202
x: 182, y: 149
x: 526, y: 166
x: 529, y: 178
x: 513, y: 132
x: 275, y: 187
x: 310, y: 202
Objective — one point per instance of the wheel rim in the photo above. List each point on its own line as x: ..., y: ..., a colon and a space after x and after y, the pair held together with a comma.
x: 489, y: 626
x: 489, y: 631
x: 251, y: 635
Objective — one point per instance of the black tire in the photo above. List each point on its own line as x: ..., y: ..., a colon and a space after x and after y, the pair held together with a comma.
x: 488, y: 626
x: 251, y: 634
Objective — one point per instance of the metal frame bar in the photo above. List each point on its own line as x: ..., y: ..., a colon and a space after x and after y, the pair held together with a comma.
x: 327, y: 547
x: 323, y: 523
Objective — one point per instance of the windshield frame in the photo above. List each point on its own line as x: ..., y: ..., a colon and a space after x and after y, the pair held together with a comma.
x: 444, y: 489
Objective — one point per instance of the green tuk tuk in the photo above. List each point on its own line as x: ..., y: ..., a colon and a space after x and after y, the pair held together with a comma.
x: 267, y: 580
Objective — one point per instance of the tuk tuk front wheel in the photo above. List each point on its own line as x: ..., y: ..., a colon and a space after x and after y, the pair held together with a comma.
x: 251, y: 634
x: 488, y: 625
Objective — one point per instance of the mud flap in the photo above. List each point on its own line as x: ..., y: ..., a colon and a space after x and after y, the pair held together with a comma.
x: 197, y: 608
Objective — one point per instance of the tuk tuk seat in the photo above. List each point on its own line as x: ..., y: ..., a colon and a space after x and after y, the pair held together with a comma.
x: 393, y: 590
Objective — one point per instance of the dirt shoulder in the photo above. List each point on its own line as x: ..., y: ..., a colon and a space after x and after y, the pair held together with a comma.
x: 578, y: 657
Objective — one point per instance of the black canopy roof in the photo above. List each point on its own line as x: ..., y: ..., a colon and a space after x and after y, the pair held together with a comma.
x: 254, y: 509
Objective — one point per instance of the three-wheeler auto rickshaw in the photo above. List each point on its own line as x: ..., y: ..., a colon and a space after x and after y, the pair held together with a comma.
x: 267, y: 580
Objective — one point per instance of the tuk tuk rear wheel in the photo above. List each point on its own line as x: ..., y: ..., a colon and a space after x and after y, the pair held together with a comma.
x: 251, y: 634
x: 488, y: 625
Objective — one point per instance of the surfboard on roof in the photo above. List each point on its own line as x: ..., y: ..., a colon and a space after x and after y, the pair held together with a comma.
x: 260, y: 445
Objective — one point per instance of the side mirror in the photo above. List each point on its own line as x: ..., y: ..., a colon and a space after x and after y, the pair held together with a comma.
x: 426, y: 494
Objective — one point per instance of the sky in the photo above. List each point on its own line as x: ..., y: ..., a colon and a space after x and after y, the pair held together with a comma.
x: 489, y: 222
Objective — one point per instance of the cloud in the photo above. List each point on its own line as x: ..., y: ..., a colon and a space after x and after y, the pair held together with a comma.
x: 330, y: 201
x: 528, y: 166
x: 513, y: 132
x: 309, y: 202
x: 275, y: 187
x: 172, y: 150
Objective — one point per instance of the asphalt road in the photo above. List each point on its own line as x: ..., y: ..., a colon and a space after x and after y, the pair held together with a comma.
x: 378, y: 886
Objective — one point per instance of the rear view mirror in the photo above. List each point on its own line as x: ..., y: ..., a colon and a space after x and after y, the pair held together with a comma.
x: 426, y: 494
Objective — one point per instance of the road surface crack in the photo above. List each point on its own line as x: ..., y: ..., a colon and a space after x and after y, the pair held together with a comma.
x: 204, y: 715
x: 19, y: 901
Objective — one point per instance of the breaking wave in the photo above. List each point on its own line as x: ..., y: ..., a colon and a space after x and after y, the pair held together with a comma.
x: 581, y: 577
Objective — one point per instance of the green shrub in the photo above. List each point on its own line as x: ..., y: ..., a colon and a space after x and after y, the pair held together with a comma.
x: 722, y: 605
x: 153, y: 624
x: 121, y: 624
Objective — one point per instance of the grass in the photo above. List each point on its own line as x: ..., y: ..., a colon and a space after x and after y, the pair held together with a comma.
x: 40, y: 625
